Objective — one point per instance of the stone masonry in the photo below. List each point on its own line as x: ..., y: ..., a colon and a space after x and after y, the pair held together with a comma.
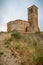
x: 25, y: 26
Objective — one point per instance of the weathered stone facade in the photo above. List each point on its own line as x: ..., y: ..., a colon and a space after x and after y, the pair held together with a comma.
x: 25, y: 26
x: 18, y: 25
x: 33, y: 18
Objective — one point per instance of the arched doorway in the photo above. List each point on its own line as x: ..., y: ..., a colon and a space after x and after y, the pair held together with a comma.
x: 26, y: 29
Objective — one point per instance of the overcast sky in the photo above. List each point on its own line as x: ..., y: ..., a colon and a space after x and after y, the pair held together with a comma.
x: 17, y: 9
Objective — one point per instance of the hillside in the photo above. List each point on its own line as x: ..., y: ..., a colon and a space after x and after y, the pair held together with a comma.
x: 21, y: 49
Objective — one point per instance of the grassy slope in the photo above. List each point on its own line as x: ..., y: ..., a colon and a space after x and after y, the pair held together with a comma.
x: 22, y: 51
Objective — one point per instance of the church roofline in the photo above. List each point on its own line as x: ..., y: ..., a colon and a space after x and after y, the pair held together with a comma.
x: 17, y: 20
x: 32, y: 6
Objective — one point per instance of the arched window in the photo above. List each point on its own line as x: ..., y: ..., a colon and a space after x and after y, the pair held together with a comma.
x: 26, y: 29
x: 31, y: 10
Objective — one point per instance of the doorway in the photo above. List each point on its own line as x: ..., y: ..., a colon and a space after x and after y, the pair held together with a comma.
x: 26, y: 29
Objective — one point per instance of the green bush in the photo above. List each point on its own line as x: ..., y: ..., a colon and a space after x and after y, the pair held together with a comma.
x: 15, y: 35
x: 39, y: 60
x: 10, y: 39
x: 7, y: 42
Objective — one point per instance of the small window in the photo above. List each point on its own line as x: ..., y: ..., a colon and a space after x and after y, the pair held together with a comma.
x: 31, y: 10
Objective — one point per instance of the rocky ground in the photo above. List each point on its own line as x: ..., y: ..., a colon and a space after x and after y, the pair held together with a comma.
x: 22, y: 49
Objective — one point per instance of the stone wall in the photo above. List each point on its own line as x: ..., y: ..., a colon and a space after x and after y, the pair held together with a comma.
x: 33, y: 18
x: 26, y: 26
x: 18, y: 25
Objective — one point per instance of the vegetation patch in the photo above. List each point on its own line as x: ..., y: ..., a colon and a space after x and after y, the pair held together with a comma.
x: 7, y: 42
x: 39, y: 60
x: 17, y: 46
x: 35, y: 43
x: 1, y: 53
x: 15, y: 35
x: 25, y: 49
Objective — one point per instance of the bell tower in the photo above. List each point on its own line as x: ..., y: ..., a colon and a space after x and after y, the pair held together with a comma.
x: 33, y: 18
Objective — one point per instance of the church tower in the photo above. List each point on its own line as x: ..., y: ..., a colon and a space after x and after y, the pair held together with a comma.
x: 33, y: 18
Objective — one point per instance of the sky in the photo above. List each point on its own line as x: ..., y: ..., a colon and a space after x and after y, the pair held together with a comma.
x: 17, y: 9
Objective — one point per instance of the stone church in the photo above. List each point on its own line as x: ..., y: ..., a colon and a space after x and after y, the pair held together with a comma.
x: 25, y: 26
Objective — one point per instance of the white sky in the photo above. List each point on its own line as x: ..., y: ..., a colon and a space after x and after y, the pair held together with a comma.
x: 17, y: 9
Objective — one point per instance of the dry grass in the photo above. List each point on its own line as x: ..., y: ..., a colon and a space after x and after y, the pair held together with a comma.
x: 25, y: 51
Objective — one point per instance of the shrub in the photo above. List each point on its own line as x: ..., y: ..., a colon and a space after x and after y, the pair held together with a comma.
x: 39, y: 60
x: 7, y: 42
x: 10, y: 39
x: 1, y: 53
x: 15, y: 35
